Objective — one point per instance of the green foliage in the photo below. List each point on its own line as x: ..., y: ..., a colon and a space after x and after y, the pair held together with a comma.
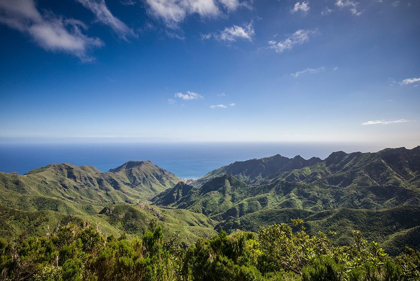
x: 282, y: 249
x: 376, y: 193
x: 277, y: 252
x: 42, y: 218
x: 323, y: 269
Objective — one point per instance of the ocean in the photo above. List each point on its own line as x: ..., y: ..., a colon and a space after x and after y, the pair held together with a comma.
x: 186, y: 160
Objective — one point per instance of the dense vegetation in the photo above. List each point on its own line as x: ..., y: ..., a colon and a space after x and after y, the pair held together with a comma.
x: 276, y: 252
x: 375, y: 193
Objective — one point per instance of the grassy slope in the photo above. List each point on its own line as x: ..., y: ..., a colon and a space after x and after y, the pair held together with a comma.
x: 366, y: 191
x: 82, y: 188
x: 135, y: 220
x: 57, y: 193
x: 389, y: 167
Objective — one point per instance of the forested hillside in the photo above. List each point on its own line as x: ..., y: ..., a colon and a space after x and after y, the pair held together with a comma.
x: 376, y: 193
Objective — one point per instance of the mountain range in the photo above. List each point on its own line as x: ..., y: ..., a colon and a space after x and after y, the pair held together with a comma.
x: 378, y: 193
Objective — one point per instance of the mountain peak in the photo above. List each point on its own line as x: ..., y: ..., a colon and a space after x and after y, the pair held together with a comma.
x: 335, y: 157
x: 298, y: 157
x: 130, y: 165
x: 221, y: 181
x: 54, y: 167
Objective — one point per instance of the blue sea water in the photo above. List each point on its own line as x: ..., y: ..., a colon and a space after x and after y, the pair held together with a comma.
x: 186, y: 160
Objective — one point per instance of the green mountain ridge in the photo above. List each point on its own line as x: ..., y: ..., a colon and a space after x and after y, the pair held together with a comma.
x: 134, y: 183
x: 360, y: 182
x: 60, y: 193
x: 378, y: 193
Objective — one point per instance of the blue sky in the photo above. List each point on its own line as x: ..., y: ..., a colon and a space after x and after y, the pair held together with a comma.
x: 210, y: 70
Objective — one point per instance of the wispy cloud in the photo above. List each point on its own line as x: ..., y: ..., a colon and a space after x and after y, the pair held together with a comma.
x: 349, y: 4
x: 171, y: 101
x: 308, y: 71
x: 49, y: 31
x: 188, y: 96
x: 303, y: 7
x: 384, y: 122
x: 396, y: 3
x: 326, y: 11
x: 172, y: 12
x: 345, y: 3
x: 355, y: 12
x: 175, y: 35
x: 231, y: 34
x: 104, y: 16
x: 299, y: 37
x: 231, y: 5
x: 409, y: 81
x: 222, y: 106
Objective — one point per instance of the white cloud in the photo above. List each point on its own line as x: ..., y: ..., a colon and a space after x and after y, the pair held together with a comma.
x: 230, y: 5
x: 188, y: 96
x: 303, y: 7
x: 383, y: 122
x: 355, y: 12
x: 171, y: 101
x: 308, y: 70
x: 218, y: 106
x: 49, y: 31
x: 231, y: 34
x: 104, y: 16
x: 299, y: 37
x: 345, y: 3
x: 409, y: 81
x: 349, y: 4
x: 222, y: 106
x: 206, y: 36
x: 172, y: 12
x: 336, y: 68
x: 222, y: 94
x: 396, y: 3
x: 174, y: 35
x: 326, y: 11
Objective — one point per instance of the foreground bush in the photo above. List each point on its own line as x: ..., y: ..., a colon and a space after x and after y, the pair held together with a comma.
x: 277, y: 252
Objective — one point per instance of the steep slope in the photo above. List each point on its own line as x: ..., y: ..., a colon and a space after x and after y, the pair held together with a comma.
x: 366, y: 191
x: 135, y: 220
x: 47, y: 197
x: 378, y: 193
x: 216, y: 196
x: 386, y: 179
x: 83, y: 189
x: 389, y: 167
x: 260, y: 170
x: 172, y: 195
x: 114, y: 220
x: 145, y: 177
